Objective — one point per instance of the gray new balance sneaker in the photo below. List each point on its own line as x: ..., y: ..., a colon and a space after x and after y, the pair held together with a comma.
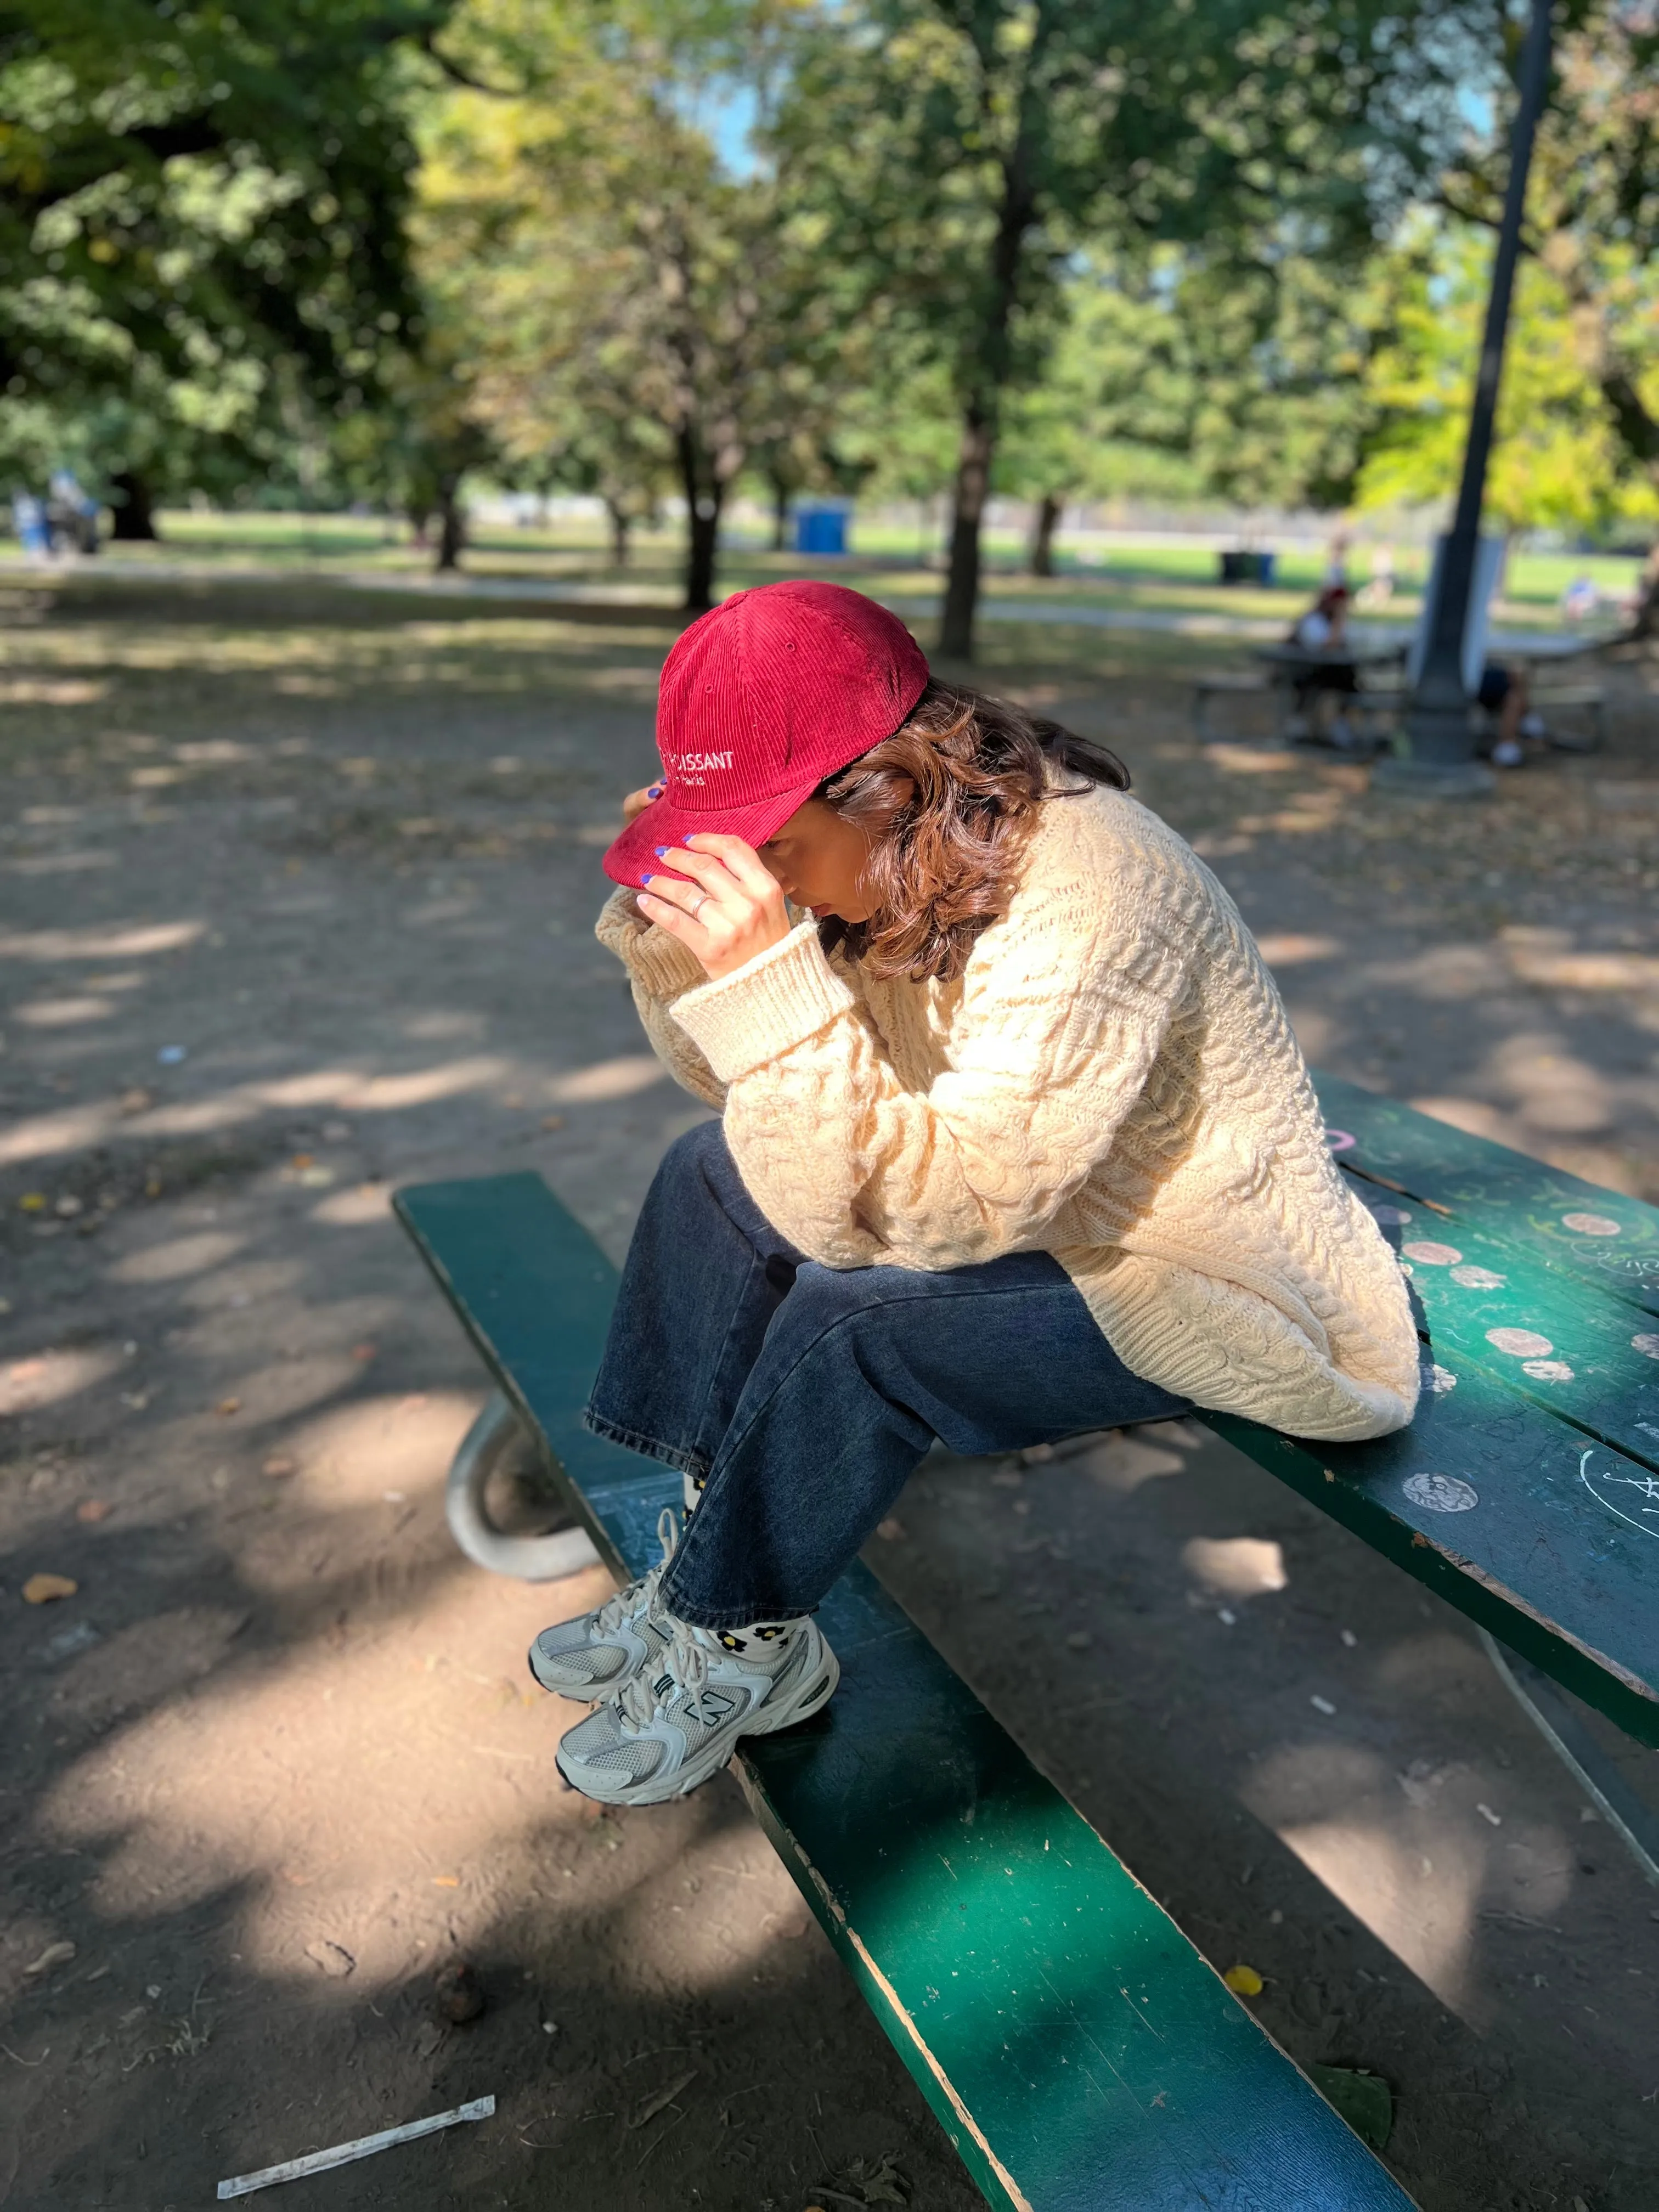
x: 596, y: 1655
x: 670, y: 1728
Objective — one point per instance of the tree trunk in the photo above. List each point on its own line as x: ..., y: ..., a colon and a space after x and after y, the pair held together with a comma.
x: 620, y: 526
x: 452, y: 527
x: 135, y: 517
x: 974, y: 458
x: 987, y: 373
x: 1043, y: 536
x: 779, y: 515
x: 1645, y: 622
x: 703, y: 524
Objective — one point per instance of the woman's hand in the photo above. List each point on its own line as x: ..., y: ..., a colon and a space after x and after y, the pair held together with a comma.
x: 637, y: 801
x: 730, y: 910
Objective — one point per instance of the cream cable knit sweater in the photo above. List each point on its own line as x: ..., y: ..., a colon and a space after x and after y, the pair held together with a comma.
x: 1113, y: 1080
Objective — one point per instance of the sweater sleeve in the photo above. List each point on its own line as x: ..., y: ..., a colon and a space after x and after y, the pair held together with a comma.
x: 660, y: 969
x: 1064, y: 1005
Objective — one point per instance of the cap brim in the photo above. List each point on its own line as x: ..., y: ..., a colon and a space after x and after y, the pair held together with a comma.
x: 633, y: 856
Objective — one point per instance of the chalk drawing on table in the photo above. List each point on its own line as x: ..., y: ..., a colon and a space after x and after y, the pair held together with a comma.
x: 1339, y: 1141
x: 1478, y: 1279
x: 1520, y: 1343
x: 1644, y: 1497
x: 1591, y: 1224
x: 1441, y: 1494
x: 1646, y: 1343
x: 1433, y: 1256
x: 1437, y: 1380
x: 1546, y: 1370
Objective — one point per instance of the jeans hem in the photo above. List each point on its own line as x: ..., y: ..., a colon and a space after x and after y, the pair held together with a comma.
x: 635, y: 1440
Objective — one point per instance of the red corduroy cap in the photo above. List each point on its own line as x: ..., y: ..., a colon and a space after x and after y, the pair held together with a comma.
x: 761, y: 700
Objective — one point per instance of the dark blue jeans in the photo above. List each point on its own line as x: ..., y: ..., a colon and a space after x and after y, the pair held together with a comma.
x: 805, y: 1395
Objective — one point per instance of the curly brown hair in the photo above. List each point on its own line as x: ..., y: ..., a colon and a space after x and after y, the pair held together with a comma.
x: 946, y: 802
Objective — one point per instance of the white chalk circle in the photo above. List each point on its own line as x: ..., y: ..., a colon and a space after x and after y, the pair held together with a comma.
x: 1441, y: 1493
x: 1433, y: 1255
x: 1339, y: 1141
x: 1478, y: 1279
x: 1646, y: 1344
x: 1546, y: 1370
x: 1520, y: 1343
x: 1391, y: 1217
x: 1591, y: 1224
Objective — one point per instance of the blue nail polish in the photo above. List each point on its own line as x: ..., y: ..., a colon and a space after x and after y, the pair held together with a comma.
x: 662, y: 852
x: 654, y: 791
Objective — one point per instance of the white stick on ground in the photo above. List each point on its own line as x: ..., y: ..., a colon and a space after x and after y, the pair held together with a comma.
x: 319, y: 2161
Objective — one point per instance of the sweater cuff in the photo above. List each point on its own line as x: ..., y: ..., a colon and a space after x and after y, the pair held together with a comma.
x: 761, y: 1009
x: 659, y: 963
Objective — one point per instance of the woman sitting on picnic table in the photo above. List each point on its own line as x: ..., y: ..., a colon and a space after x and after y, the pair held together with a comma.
x: 1015, y: 1143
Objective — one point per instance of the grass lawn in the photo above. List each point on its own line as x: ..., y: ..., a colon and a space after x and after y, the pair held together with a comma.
x: 1127, y: 577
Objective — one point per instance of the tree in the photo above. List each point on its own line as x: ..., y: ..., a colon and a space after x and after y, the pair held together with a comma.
x: 1557, y: 460
x: 1593, y: 225
x: 627, y: 302
x: 961, y: 154
x: 202, y: 221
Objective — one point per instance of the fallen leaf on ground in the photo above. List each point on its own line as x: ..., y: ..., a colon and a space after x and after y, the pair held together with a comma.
x: 55, y: 1954
x: 228, y: 1406
x: 649, y: 2107
x: 32, y: 1201
x: 553, y: 1120
x: 1363, y: 2099
x: 364, y: 1351
x: 445, y: 1881
x: 41, y: 1590
x: 93, y: 1510
x: 334, y: 1959
x: 1243, y: 1981
x: 279, y: 1463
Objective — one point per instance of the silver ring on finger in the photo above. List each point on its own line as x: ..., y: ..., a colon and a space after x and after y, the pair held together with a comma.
x: 701, y: 902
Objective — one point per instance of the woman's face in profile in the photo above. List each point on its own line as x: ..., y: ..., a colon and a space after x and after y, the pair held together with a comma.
x: 818, y: 859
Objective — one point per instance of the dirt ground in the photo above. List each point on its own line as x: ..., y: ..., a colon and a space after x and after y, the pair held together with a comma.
x: 297, y: 894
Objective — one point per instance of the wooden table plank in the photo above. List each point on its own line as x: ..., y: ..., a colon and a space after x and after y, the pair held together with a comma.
x: 1568, y: 1349
x: 1079, y: 2053
x: 1519, y: 1200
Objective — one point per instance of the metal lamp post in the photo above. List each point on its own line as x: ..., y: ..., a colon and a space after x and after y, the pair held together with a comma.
x: 1439, y: 761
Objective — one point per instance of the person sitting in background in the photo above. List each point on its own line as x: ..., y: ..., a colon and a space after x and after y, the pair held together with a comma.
x: 1504, y: 695
x: 1321, y: 632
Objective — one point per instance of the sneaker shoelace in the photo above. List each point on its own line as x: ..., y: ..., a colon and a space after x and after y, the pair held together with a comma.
x: 640, y: 1597
x: 686, y: 1665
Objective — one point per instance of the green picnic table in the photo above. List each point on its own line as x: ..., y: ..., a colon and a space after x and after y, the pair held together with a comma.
x: 1079, y: 2053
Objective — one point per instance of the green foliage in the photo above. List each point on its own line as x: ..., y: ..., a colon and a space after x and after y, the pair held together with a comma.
x: 957, y: 159
x: 628, y: 313
x: 202, y: 245
x: 1558, y: 460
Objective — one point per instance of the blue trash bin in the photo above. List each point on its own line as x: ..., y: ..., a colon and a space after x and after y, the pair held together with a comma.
x: 821, y: 528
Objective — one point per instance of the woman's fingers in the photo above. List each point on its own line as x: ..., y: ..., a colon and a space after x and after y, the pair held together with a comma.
x: 675, y: 920
x: 741, y: 858
x: 637, y: 801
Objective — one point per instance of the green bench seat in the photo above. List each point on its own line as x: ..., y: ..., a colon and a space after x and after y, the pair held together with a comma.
x: 1079, y: 2052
